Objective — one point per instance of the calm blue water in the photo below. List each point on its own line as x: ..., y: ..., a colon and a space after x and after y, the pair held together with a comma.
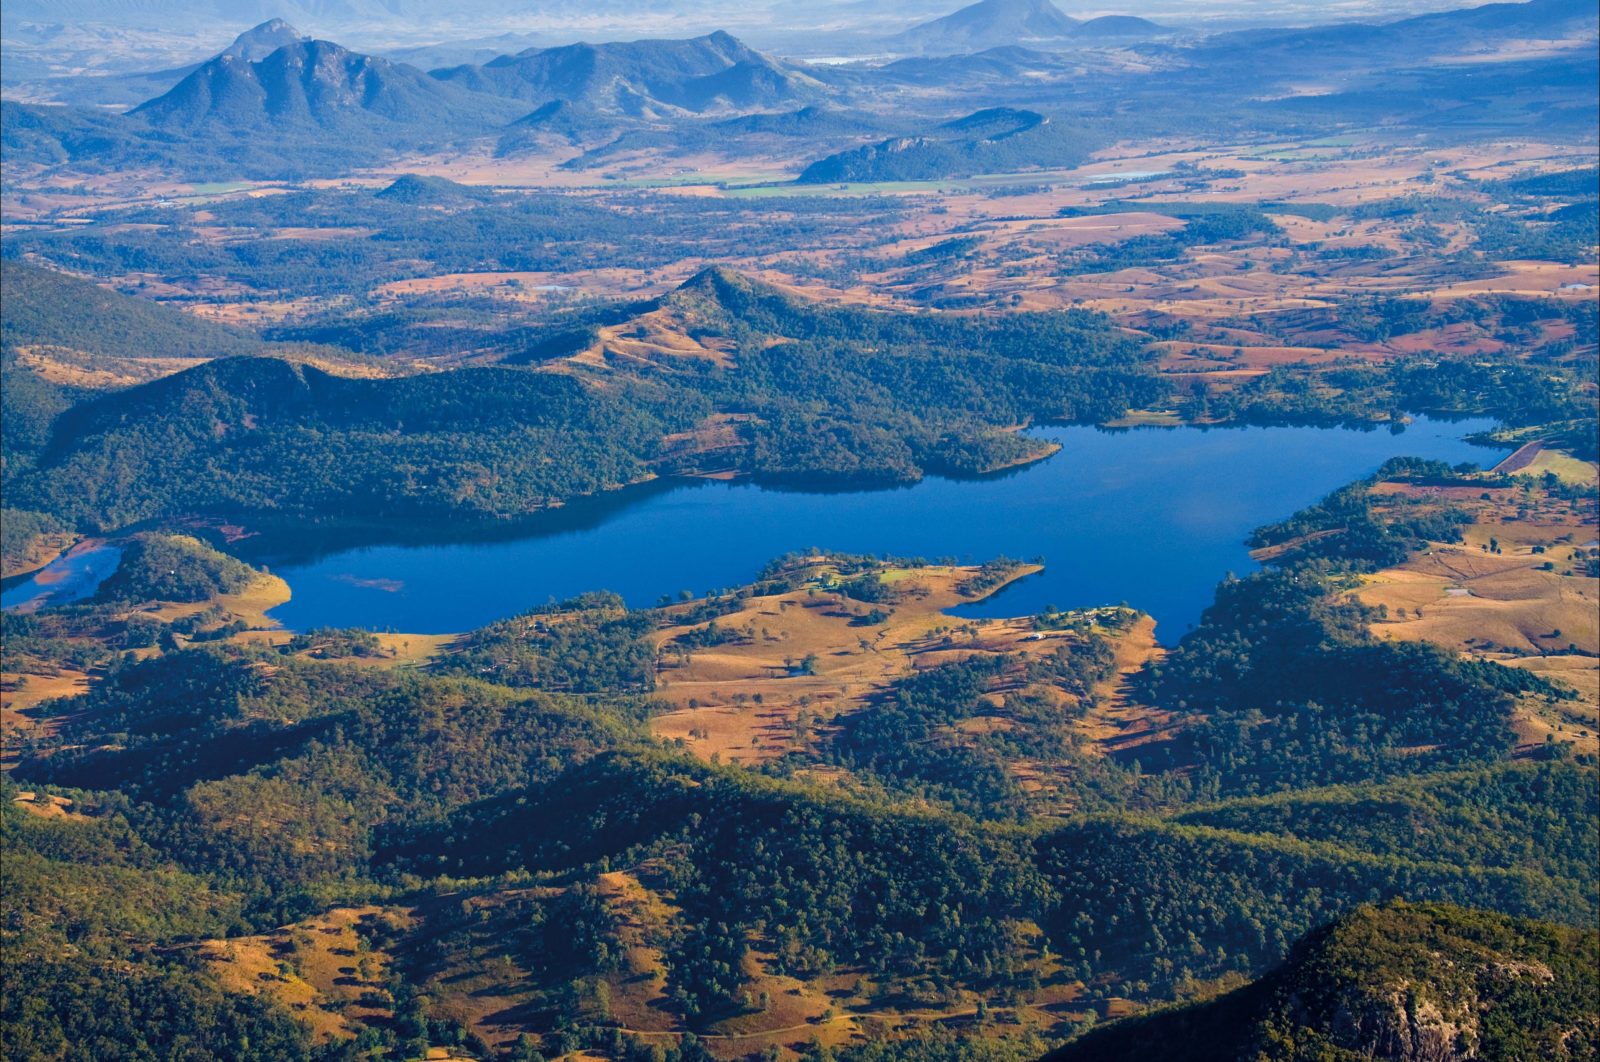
x: 1153, y: 517
x: 64, y: 580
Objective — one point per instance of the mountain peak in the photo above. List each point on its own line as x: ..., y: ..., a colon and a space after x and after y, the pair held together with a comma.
x: 720, y: 289
x: 261, y: 41
x: 713, y: 279
x: 422, y: 190
x: 988, y: 24
x: 1112, y: 26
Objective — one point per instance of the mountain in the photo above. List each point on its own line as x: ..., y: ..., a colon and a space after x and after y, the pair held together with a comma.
x: 65, y: 338
x: 994, y: 140
x: 1111, y: 27
x: 988, y: 24
x: 48, y: 135
x: 258, y: 42
x: 125, y: 90
x: 1396, y: 982
x: 418, y: 190
x: 812, y: 121
x: 309, y: 84
x: 644, y: 79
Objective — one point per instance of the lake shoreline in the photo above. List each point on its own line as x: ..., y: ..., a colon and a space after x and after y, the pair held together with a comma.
x: 1152, y: 518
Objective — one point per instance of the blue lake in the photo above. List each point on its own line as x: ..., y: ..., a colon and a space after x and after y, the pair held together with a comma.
x: 1154, y: 517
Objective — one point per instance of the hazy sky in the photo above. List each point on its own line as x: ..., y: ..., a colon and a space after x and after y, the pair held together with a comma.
x: 407, y: 17
x: 50, y: 37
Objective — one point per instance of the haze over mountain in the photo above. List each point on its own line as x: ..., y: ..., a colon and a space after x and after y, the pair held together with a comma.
x: 1111, y: 27
x: 311, y: 83
x: 988, y: 24
x: 1445, y: 36
x: 101, y: 89
x: 490, y: 352
x: 715, y: 72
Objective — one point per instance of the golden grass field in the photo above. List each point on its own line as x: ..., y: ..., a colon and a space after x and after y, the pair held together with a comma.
x: 322, y: 969
x: 329, y: 971
x: 750, y: 703
x: 1505, y: 606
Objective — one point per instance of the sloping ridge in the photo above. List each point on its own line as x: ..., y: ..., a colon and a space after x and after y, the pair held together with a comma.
x: 44, y: 307
x: 994, y: 140
x: 1397, y: 982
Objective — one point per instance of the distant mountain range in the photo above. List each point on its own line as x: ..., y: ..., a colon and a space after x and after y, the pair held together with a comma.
x: 994, y: 140
x: 307, y: 83
x: 1435, y: 37
x: 276, y: 104
x: 645, y: 79
x: 127, y: 89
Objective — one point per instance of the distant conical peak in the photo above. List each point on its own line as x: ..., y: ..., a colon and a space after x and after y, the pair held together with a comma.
x: 258, y: 41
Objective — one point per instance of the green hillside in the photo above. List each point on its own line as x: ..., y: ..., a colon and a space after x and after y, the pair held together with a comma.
x: 1397, y: 981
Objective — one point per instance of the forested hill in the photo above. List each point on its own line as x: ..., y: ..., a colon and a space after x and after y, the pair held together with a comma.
x: 66, y: 340
x: 1400, y: 982
x: 52, y: 309
x: 724, y: 372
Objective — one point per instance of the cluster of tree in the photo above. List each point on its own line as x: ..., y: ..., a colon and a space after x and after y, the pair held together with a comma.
x: 589, y: 644
x: 20, y: 530
x: 77, y: 1008
x: 260, y: 435
x: 1292, y: 690
x: 1512, y: 816
x: 911, y: 741
x: 332, y: 643
x: 1204, y: 223
x: 1512, y: 390
x: 1346, y: 529
x: 272, y: 778
x: 157, y: 567
x: 52, y: 309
